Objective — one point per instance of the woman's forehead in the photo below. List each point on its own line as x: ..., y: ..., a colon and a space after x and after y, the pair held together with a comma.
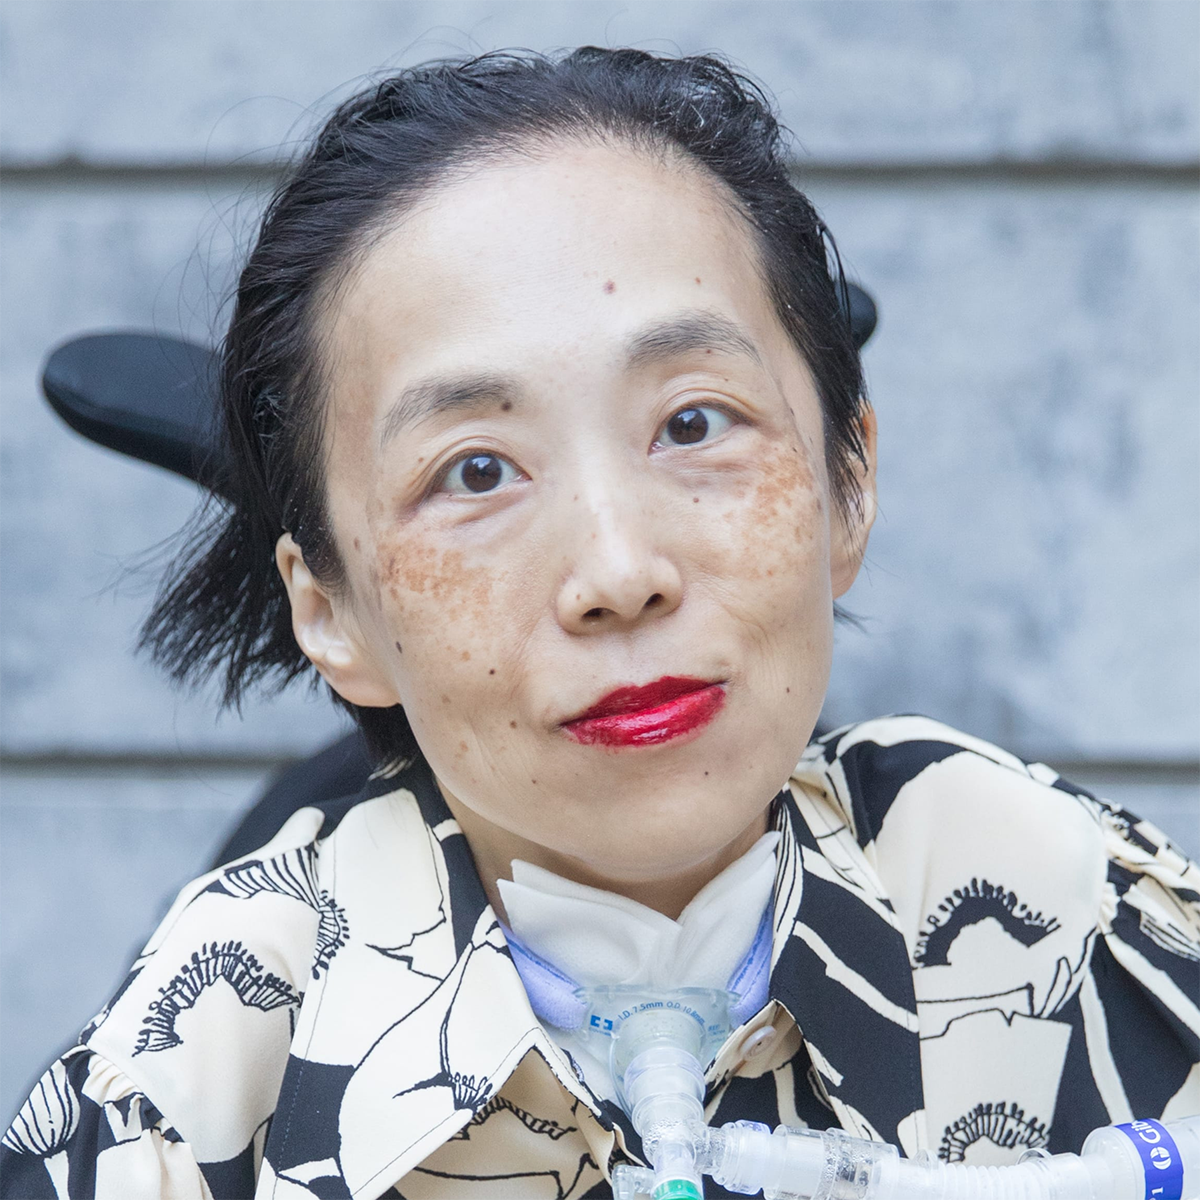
x: 571, y: 253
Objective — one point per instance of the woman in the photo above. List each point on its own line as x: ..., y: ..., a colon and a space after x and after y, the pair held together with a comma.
x: 551, y: 454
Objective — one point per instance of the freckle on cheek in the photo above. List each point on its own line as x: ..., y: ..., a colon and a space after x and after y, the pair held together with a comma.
x: 428, y: 586
x: 778, y: 513
x: 512, y: 724
x: 609, y: 287
x: 491, y: 670
x: 443, y: 576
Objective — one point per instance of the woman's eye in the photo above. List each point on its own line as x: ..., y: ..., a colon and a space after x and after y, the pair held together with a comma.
x: 478, y: 473
x: 691, y: 425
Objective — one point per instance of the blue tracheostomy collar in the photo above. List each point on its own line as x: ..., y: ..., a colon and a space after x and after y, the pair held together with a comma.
x: 555, y: 996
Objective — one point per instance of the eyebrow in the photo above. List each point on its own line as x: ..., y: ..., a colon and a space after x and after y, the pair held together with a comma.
x: 687, y: 333
x: 463, y: 393
x: 474, y: 391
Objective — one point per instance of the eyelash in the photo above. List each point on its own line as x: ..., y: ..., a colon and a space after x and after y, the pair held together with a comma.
x: 724, y: 415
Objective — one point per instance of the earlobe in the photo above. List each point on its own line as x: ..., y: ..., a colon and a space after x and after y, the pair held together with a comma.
x: 324, y: 632
x: 853, y: 528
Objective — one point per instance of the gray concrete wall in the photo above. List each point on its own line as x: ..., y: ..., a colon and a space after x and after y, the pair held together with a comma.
x: 1016, y: 182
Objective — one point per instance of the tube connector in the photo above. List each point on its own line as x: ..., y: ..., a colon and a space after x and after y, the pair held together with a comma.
x: 658, y: 1044
x: 661, y: 1086
x: 796, y: 1164
x: 1120, y: 1162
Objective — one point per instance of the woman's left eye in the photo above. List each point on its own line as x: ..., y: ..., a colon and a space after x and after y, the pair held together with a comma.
x: 690, y: 426
x: 478, y: 473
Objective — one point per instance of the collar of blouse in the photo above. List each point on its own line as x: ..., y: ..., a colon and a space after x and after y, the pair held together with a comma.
x: 416, y: 1017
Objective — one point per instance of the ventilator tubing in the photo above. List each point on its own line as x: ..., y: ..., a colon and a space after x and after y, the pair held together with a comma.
x: 1138, y: 1161
x: 658, y: 1043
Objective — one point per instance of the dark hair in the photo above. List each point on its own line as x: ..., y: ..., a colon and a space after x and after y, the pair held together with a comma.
x: 224, y: 605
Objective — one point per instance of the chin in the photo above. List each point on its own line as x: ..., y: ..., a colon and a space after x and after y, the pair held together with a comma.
x: 678, y: 824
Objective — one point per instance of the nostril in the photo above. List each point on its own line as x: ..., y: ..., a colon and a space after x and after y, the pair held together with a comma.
x: 654, y: 600
x: 593, y: 613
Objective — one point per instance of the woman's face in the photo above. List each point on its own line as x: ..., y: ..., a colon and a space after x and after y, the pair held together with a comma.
x: 572, y: 451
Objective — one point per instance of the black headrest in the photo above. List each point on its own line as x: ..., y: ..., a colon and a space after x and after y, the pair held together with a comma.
x: 143, y: 394
x: 153, y: 397
x: 863, y: 314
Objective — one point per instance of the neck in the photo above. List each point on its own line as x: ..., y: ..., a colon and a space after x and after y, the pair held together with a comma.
x: 668, y: 891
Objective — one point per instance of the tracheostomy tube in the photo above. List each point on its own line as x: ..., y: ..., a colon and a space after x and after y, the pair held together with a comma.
x: 659, y: 1044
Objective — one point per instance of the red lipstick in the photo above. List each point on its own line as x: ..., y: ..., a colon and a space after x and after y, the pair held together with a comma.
x: 650, y: 715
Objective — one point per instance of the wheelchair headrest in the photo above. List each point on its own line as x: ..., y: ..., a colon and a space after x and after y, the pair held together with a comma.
x: 154, y: 397
x: 146, y: 395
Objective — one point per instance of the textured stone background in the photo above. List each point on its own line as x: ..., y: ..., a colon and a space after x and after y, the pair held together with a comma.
x: 1016, y: 182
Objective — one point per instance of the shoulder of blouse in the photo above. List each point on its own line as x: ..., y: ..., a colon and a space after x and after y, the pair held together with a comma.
x: 952, y: 823
x: 86, y: 1130
x: 178, y: 1069
x: 994, y: 864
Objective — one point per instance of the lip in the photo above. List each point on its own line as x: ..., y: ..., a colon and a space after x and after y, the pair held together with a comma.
x: 658, y: 712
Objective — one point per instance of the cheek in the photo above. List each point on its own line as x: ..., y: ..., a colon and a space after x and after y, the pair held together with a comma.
x: 456, y: 662
x: 434, y: 595
x: 776, y: 528
x: 460, y: 620
x: 779, y: 587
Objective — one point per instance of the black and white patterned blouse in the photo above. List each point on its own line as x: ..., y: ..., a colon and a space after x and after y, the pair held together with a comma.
x: 970, y: 956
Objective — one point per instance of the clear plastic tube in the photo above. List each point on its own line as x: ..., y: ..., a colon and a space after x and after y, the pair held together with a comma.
x: 1121, y: 1162
x: 658, y: 1043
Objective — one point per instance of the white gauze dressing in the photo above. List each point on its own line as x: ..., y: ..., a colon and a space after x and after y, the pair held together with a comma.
x: 597, y: 937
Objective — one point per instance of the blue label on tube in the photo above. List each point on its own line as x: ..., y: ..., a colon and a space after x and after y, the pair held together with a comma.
x: 1161, y: 1160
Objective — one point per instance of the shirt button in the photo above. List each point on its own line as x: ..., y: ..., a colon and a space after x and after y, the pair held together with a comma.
x: 756, y: 1044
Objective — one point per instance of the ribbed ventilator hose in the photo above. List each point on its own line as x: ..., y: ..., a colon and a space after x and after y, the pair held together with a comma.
x: 1141, y: 1160
x: 659, y: 1041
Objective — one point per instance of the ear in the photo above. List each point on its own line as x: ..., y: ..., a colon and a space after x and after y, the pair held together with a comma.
x: 327, y: 633
x: 851, y: 530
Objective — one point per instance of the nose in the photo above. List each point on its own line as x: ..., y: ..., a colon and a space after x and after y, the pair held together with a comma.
x: 618, y: 576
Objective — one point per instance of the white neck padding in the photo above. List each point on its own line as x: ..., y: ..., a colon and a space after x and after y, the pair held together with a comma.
x: 597, y: 937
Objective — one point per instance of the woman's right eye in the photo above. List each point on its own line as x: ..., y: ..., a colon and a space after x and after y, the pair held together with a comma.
x: 478, y: 473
